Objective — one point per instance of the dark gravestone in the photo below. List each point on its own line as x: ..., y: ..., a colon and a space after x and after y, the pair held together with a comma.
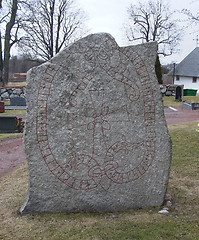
x: 2, y: 107
x: 178, y: 94
x: 8, y: 124
x: 18, y: 101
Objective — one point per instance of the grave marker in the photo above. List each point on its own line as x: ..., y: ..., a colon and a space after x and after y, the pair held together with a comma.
x: 178, y: 93
x: 2, y: 107
x: 96, y: 138
x: 17, y: 101
x: 8, y: 124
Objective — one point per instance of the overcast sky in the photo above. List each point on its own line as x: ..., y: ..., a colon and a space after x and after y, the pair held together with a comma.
x: 110, y: 15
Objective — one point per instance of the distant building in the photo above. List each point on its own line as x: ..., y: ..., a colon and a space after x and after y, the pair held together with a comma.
x: 17, y: 77
x: 187, y: 71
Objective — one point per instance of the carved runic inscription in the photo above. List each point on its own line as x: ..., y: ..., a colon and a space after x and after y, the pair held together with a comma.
x: 100, y: 164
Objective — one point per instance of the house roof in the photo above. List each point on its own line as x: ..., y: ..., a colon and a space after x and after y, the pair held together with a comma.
x: 189, y: 66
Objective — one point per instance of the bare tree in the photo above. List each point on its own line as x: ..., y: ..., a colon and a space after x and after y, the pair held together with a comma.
x: 192, y: 17
x: 10, y: 26
x: 153, y: 21
x: 50, y: 25
x: 21, y: 64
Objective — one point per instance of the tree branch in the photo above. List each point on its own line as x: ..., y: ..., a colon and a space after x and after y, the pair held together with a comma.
x: 152, y: 21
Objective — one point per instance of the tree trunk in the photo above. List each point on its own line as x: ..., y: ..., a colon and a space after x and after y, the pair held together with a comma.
x: 52, y: 8
x: 1, y: 63
x: 7, y: 44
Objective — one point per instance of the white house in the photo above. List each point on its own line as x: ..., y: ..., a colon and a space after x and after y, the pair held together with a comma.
x: 187, y: 71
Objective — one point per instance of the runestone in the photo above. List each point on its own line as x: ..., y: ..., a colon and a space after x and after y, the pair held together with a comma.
x: 96, y: 139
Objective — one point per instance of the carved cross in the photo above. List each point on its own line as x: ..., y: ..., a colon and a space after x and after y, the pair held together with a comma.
x: 98, y: 119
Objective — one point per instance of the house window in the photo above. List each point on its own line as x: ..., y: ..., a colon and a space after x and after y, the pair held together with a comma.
x: 194, y: 80
x: 177, y: 78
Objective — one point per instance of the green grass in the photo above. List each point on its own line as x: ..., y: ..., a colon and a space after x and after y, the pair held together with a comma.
x: 14, y: 112
x: 7, y: 102
x: 146, y: 224
x: 14, y: 84
x: 9, y: 135
x: 184, y: 178
x: 170, y: 101
x: 191, y: 99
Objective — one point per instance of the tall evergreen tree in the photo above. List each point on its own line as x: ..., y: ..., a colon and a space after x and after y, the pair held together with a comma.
x: 158, y: 70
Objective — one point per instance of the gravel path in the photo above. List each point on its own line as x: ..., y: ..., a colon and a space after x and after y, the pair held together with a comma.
x: 11, y: 154
x: 181, y: 115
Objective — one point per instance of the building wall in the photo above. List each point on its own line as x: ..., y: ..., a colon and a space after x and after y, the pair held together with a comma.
x: 187, y: 82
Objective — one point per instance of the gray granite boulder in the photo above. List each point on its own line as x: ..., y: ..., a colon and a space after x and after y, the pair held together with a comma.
x: 96, y: 138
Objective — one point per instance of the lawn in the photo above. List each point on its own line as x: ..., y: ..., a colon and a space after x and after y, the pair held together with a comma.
x: 17, y: 112
x: 170, y: 101
x: 16, y: 84
x: 9, y: 135
x: 182, y: 222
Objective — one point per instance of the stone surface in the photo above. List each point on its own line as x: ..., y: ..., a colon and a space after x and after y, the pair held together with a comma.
x: 169, y: 204
x: 17, y: 101
x: 96, y: 138
x: 8, y: 93
x: 4, y: 96
x: 164, y: 211
x: 17, y: 91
